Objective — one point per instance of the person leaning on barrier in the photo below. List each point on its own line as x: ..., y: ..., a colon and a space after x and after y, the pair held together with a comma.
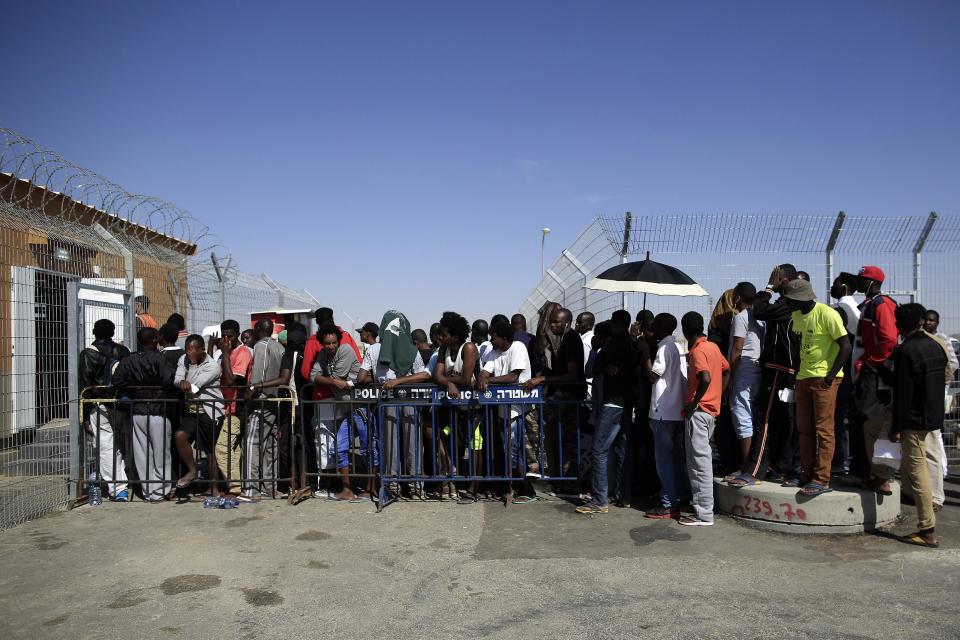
x: 336, y: 369
x: 458, y: 367
x: 260, y: 458
x: 563, y: 373
x: 103, y: 421
x: 292, y: 362
x: 146, y: 377
x: 173, y: 353
x: 919, y: 365
x: 235, y: 361
x: 394, y: 356
x: 507, y: 363
x: 197, y: 377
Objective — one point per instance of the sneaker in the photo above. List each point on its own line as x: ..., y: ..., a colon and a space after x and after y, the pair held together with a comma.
x: 591, y: 509
x: 123, y: 496
x: 690, y: 521
x: 662, y: 513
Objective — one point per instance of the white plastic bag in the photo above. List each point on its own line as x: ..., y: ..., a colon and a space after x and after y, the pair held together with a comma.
x: 887, y: 453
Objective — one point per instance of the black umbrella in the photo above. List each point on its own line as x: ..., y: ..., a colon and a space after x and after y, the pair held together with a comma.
x: 646, y: 276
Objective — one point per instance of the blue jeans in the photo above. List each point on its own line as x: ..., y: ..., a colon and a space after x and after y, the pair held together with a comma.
x: 608, y: 426
x: 744, y: 388
x: 345, y: 437
x: 668, y: 452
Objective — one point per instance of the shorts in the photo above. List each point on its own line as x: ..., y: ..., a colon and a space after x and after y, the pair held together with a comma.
x: 201, y: 429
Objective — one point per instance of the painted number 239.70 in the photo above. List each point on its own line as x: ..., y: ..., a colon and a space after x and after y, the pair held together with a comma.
x: 753, y: 506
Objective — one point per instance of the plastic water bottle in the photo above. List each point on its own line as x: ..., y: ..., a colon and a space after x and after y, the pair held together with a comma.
x: 94, y: 497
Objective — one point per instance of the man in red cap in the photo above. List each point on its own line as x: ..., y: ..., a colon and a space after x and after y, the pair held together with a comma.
x: 878, y: 334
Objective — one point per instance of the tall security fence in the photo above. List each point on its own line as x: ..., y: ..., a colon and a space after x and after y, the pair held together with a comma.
x: 918, y: 253
x: 76, y: 247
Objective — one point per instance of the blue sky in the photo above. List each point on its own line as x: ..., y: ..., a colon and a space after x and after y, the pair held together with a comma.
x: 405, y: 155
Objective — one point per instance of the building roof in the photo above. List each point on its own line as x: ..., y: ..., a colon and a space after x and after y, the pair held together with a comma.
x: 26, y: 194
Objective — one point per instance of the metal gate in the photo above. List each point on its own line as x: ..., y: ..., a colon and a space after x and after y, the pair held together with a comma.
x: 93, y: 299
x: 51, y: 320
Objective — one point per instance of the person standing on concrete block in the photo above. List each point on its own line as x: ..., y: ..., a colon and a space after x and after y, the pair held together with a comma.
x: 708, y: 375
x: 877, y: 331
x: 146, y: 377
x: 841, y: 290
x: 746, y: 338
x: 773, y: 443
x: 824, y: 348
x: 918, y: 373
x: 102, y: 421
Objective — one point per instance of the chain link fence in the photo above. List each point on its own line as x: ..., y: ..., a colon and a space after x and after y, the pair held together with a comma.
x: 918, y: 253
x: 64, y: 228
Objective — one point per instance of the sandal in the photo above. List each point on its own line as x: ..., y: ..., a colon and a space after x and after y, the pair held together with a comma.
x: 742, y: 480
x: 918, y: 540
x: 591, y: 509
x: 814, y: 489
x: 790, y: 482
x: 526, y: 499
x: 467, y: 498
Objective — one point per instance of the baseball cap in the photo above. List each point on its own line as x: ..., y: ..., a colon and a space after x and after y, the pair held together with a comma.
x: 371, y: 327
x: 799, y: 290
x: 872, y: 273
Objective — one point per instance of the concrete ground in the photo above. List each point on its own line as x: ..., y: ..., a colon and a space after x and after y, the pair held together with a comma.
x: 438, y: 570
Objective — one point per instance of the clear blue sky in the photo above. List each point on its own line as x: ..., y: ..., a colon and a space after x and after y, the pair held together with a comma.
x: 405, y: 155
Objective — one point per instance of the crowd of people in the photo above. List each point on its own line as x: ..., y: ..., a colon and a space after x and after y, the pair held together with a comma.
x: 774, y: 386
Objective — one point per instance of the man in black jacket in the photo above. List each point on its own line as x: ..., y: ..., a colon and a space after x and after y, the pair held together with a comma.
x: 919, y: 366
x: 147, y: 379
x: 102, y: 421
x: 774, y: 442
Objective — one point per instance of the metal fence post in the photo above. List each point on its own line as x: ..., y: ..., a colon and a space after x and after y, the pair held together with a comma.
x: 627, y: 227
x: 131, y: 277
x: 73, y: 385
x: 572, y: 259
x: 273, y: 285
x: 917, y: 250
x: 221, y: 278
x: 831, y: 245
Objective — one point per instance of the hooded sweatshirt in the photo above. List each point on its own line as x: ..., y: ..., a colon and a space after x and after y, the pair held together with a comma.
x: 397, y: 350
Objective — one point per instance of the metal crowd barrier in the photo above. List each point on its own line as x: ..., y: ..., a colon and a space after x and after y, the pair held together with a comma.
x: 337, y: 440
x: 434, y: 444
x: 378, y: 443
x: 246, y: 443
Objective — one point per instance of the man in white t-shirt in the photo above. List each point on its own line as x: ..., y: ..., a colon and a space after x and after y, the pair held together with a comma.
x: 508, y: 363
x: 479, y: 335
x: 584, y: 326
x: 669, y: 378
x: 842, y: 289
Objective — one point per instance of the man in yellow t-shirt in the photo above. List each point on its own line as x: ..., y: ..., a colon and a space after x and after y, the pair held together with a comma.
x: 824, y: 347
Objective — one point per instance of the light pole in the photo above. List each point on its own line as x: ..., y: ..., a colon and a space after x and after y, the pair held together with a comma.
x: 543, y: 241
